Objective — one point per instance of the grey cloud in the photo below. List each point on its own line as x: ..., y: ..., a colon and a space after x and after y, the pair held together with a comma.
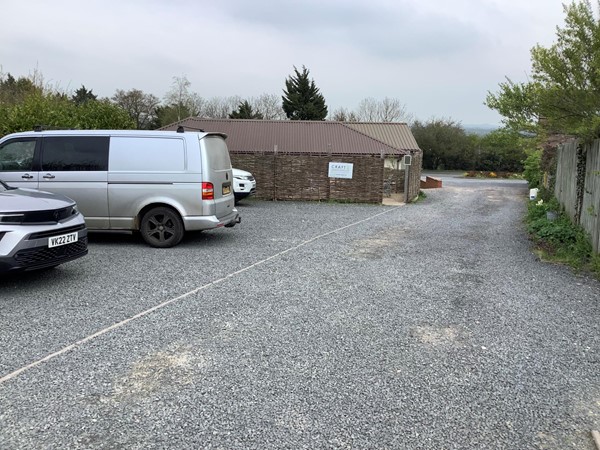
x: 399, y: 32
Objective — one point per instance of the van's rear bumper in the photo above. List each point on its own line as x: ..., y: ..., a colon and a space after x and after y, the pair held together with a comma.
x: 195, y: 223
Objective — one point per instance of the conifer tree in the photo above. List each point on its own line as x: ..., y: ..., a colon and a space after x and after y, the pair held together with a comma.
x: 245, y: 111
x: 302, y: 99
x: 82, y: 95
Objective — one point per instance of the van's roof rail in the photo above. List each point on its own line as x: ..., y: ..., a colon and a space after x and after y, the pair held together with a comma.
x: 181, y: 129
x: 46, y: 128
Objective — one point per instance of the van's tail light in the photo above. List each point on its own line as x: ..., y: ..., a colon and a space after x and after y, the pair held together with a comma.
x: 208, y: 191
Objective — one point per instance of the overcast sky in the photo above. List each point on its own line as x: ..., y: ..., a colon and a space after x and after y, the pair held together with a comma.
x: 438, y: 57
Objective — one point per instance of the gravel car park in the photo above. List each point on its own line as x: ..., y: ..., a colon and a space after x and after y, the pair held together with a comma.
x: 430, y: 325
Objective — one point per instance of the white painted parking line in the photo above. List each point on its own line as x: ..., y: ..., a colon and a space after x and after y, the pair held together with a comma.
x: 124, y: 322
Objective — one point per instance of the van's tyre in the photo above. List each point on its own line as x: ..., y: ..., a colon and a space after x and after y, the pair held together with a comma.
x: 162, y: 227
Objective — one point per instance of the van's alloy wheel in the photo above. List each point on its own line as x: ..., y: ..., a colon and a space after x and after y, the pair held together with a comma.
x: 162, y: 227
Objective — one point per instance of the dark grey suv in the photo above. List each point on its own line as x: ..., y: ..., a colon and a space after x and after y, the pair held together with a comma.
x: 38, y: 229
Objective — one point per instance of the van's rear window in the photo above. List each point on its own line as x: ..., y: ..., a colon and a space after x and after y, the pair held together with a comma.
x: 217, y: 153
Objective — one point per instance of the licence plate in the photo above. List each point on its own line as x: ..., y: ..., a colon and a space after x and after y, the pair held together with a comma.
x: 65, y: 239
x: 226, y: 190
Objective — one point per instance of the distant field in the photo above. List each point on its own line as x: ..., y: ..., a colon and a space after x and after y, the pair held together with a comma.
x: 480, y: 130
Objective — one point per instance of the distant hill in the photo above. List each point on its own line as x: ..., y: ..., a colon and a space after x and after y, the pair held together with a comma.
x: 479, y: 129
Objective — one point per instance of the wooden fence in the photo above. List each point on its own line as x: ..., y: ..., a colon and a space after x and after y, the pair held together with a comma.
x: 577, y: 186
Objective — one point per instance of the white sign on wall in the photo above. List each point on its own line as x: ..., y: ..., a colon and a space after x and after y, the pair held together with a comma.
x: 340, y: 170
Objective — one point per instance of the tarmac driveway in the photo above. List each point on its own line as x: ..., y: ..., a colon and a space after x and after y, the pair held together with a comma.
x: 430, y: 325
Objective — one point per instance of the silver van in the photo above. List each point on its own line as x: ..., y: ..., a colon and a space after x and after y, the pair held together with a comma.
x: 160, y: 183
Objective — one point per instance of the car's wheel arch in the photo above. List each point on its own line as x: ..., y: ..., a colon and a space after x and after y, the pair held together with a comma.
x: 161, y: 226
x: 143, y: 210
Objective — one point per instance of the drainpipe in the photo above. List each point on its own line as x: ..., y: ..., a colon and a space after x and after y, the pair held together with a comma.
x: 407, y: 163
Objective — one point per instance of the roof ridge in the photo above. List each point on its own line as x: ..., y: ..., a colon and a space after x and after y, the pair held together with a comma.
x: 346, y: 124
x: 369, y: 137
x: 363, y: 122
x: 324, y: 122
x: 351, y: 137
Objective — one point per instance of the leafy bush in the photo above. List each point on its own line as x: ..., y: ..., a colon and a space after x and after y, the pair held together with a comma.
x: 558, y: 238
x: 532, y: 169
x: 57, y: 111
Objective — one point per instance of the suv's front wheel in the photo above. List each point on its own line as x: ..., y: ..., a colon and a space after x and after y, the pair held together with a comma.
x: 162, y: 227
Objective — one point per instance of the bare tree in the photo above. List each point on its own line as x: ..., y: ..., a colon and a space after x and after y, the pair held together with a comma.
x: 266, y: 105
x: 344, y: 115
x: 46, y: 87
x: 196, y: 104
x: 141, y: 107
x: 269, y: 105
x: 184, y: 100
x: 367, y: 110
x: 220, y: 107
x: 231, y: 103
x: 386, y: 110
x: 340, y: 115
x: 392, y: 110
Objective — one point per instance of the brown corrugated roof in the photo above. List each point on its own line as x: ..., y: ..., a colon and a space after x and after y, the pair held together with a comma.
x: 307, y: 137
x: 397, y: 135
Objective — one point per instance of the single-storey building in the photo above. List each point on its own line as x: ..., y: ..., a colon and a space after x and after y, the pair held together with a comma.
x: 293, y: 159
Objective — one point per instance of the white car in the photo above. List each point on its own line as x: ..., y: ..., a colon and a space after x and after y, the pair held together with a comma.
x: 244, y: 184
x: 38, y: 230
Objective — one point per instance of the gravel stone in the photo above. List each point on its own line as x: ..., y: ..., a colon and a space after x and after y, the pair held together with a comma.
x: 310, y: 325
